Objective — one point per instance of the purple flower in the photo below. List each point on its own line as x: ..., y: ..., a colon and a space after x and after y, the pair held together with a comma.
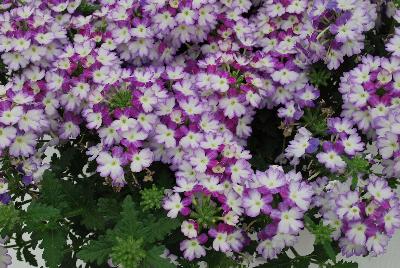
x: 380, y: 190
x: 111, y: 165
x: 254, y: 202
x: 313, y: 145
x: 352, y: 144
x: 174, y: 204
x: 193, y: 248
x: 290, y: 220
x: 331, y: 157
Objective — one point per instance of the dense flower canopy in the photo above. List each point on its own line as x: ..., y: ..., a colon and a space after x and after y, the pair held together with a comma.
x: 180, y: 82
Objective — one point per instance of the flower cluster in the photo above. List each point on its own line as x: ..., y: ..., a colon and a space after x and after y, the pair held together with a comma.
x: 347, y: 143
x: 357, y: 204
x: 393, y: 45
x: 371, y: 96
x: 78, y: 78
x: 282, y: 198
x: 179, y: 82
x: 105, y: 74
x: 153, y: 31
x: 34, y: 33
x: 336, y: 29
x: 277, y: 27
x: 363, y: 219
x: 302, y: 143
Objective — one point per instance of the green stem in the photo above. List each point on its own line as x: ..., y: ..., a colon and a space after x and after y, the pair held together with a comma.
x: 296, y: 254
x: 23, y: 244
x: 74, y: 213
x: 250, y: 224
x: 322, y: 32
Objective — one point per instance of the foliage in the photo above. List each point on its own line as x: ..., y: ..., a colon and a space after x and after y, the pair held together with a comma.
x: 132, y: 241
x: 319, y: 77
x: 67, y: 208
x: 315, y: 121
x: 151, y: 198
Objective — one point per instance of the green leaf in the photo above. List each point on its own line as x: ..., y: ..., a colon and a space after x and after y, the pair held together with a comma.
x: 329, y: 250
x: 156, y: 231
x: 41, y: 213
x: 153, y: 259
x: 69, y: 260
x: 59, y: 165
x: 52, y: 191
x: 320, y: 255
x: 9, y: 217
x: 19, y: 254
x: 315, y: 121
x: 151, y: 198
x: 29, y: 257
x: 322, y: 236
x: 121, y: 99
x: 93, y: 219
x: 97, y: 251
x: 109, y: 208
x: 53, y: 244
x: 129, y: 223
x: 344, y: 264
x: 393, y: 183
x: 220, y: 260
x: 87, y: 8
x: 319, y: 77
x: 128, y: 252
x: 356, y: 165
x: 322, y: 232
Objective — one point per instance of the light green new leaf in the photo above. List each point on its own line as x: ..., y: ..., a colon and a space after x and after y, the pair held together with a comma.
x: 9, y: 217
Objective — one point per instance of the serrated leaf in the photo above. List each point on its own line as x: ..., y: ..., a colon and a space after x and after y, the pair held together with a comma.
x: 53, y: 244
x: 109, y: 208
x: 9, y: 217
x: 97, y: 251
x: 322, y: 232
x: 38, y: 212
x: 29, y: 257
x: 70, y: 260
x: 154, y: 260
x: 59, y: 165
x: 356, y: 165
x: 129, y: 223
x: 344, y: 264
x: 92, y: 219
x: 52, y: 191
x: 87, y: 8
x: 19, y: 254
x: 155, y: 231
x: 322, y: 236
x: 219, y: 259
x: 302, y: 262
x: 315, y: 122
